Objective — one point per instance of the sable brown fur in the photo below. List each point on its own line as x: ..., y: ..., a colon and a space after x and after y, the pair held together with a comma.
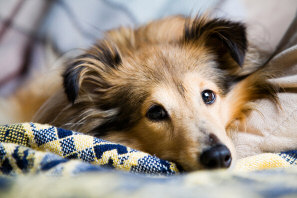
x: 110, y: 87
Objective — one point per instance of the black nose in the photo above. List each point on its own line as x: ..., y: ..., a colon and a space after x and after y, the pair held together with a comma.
x: 218, y: 156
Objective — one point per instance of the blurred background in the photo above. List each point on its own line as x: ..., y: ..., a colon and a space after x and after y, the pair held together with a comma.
x: 33, y: 33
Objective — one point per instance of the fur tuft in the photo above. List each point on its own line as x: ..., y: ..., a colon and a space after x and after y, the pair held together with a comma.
x: 99, y: 58
x: 243, y: 95
x: 219, y: 33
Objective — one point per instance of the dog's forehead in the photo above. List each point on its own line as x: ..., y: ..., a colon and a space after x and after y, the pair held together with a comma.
x: 166, y: 61
x: 179, y: 58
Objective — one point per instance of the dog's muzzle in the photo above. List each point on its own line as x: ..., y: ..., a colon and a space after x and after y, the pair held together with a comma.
x: 218, y: 156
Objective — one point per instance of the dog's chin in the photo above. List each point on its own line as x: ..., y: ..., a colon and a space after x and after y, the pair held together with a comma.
x: 190, y: 167
x: 187, y: 167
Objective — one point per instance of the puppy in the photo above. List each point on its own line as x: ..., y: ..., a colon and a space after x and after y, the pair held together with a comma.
x: 175, y: 88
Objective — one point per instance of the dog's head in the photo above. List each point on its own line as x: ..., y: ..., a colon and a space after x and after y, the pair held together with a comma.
x: 171, y: 88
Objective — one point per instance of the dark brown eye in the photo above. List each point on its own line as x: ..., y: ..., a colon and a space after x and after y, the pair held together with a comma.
x: 208, y: 96
x: 157, y: 113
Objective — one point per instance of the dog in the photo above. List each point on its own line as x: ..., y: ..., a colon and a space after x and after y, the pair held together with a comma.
x: 176, y: 88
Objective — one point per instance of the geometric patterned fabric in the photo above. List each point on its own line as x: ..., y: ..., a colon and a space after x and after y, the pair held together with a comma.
x: 31, y: 147
x: 40, y: 148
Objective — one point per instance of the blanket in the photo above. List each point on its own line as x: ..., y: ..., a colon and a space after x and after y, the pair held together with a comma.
x: 32, y: 148
x: 271, y: 183
x: 45, y: 161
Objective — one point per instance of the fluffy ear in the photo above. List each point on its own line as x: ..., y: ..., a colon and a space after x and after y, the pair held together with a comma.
x: 87, y: 71
x: 221, y: 35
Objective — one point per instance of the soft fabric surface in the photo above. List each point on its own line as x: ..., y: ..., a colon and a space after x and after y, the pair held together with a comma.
x: 31, y: 148
x: 271, y: 183
x: 269, y: 128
